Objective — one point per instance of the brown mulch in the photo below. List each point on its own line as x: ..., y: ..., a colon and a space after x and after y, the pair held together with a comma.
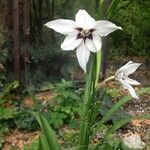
x: 17, y: 139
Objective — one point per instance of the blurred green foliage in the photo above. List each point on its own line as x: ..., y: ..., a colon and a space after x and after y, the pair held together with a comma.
x: 112, y: 143
x: 134, y: 17
x: 7, y: 111
x: 3, y: 130
x: 48, y: 61
x: 25, y: 120
x: 3, y: 59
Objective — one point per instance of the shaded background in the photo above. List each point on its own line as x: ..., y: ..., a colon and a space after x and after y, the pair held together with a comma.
x: 31, y: 52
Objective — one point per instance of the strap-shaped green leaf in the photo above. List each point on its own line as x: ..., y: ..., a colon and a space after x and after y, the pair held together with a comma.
x: 120, y: 123
x: 116, y: 106
x: 111, y: 8
x: 48, y: 133
x: 43, y: 143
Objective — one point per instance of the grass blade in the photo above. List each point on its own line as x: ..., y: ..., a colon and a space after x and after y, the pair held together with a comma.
x: 111, y: 8
x: 48, y: 133
x: 120, y: 123
x: 43, y: 143
x: 115, y: 107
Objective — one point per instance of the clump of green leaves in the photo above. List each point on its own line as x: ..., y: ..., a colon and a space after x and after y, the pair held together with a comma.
x: 3, y: 130
x: 69, y: 137
x: 6, y: 113
x: 67, y: 101
x: 56, y: 119
x: 111, y: 143
x: 10, y: 112
x: 7, y: 88
x: 26, y: 121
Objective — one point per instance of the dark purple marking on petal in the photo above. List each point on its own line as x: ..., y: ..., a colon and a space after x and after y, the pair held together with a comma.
x: 91, y: 30
x: 90, y: 37
x: 79, y: 36
x: 79, y: 29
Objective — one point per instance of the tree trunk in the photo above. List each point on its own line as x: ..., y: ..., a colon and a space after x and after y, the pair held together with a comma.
x: 26, y: 30
x: 16, y: 53
x: 34, y: 22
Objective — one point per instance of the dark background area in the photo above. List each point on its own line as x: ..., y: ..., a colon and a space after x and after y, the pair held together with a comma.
x: 31, y: 52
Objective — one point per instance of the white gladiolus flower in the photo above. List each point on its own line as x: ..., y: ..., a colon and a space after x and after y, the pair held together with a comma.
x: 122, y: 76
x: 84, y: 34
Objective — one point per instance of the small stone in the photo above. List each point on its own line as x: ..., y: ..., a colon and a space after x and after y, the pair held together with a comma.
x: 134, y: 141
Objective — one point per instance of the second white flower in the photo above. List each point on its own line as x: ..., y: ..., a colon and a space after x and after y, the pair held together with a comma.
x: 122, y: 76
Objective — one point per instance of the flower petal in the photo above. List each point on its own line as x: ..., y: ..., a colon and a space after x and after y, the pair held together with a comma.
x: 71, y: 42
x: 97, y: 41
x: 129, y: 68
x: 104, y: 27
x: 84, y: 20
x: 63, y: 26
x: 90, y: 45
x: 129, y: 88
x: 131, y: 81
x: 132, y: 68
x: 82, y: 55
x: 123, y: 68
x: 132, y: 91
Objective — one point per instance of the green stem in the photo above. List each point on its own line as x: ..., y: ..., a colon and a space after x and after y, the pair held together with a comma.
x: 88, y: 97
x: 89, y: 78
x: 98, y: 66
x: 105, y: 81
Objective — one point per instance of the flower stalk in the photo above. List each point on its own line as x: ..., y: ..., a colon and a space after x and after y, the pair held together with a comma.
x: 106, y: 81
x: 98, y: 65
x: 88, y: 100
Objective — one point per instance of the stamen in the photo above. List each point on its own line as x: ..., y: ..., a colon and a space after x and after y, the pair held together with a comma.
x: 84, y: 33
